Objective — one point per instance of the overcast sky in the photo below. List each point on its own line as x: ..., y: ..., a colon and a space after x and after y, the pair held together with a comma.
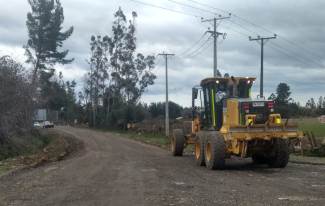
x: 295, y: 57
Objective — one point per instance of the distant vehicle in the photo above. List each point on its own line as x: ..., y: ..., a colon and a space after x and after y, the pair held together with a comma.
x: 37, y: 125
x: 48, y: 124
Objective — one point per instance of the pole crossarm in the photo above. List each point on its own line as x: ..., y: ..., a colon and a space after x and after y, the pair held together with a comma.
x: 216, y: 18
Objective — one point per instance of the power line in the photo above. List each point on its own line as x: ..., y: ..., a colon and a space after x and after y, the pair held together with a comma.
x: 208, y: 6
x: 308, y: 58
x: 164, y: 8
x: 198, y: 50
x: 309, y: 53
x: 204, y: 46
x: 191, y: 47
x: 288, y: 54
x: 277, y: 47
x: 193, y: 7
x: 315, y: 62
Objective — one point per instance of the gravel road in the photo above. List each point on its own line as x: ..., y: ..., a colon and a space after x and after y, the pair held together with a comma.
x: 115, y: 171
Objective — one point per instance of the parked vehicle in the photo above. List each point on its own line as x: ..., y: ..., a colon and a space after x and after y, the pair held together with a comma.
x: 37, y: 125
x: 48, y: 124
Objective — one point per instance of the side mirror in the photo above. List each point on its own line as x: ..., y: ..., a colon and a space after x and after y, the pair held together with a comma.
x: 194, y: 93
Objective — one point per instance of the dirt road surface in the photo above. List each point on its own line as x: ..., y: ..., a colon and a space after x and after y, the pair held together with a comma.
x: 116, y: 171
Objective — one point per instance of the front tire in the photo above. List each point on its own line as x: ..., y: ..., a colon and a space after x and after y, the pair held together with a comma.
x: 199, y: 151
x: 280, y: 154
x: 215, y: 151
x: 177, y: 142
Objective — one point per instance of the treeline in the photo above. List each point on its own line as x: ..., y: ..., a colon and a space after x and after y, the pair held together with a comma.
x: 287, y: 107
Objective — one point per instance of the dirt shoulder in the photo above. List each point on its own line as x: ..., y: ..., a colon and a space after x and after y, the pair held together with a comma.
x: 59, y: 146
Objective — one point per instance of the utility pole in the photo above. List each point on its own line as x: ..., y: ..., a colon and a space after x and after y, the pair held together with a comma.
x: 216, y: 34
x: 263, y: 41
x: 167, y: 101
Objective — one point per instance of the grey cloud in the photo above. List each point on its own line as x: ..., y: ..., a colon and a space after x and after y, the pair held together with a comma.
x: 159, y: 30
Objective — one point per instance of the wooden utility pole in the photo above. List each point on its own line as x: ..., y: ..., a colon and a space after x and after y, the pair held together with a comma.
x: 167, y: 101
x: 263, y: 41
x: 216, y: 34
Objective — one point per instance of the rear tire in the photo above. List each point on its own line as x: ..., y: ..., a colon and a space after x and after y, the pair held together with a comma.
x: 199, y: 151
x: 259, y: 159
x: 280, y: 154
x: 177, y: 142
x: 215, y: 151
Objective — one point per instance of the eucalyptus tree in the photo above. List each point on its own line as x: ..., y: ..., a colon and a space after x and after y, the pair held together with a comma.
x: 98, y: 76
x: 131, y: 71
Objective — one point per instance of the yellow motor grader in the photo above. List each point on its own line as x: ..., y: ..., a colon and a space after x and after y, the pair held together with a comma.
x: 227, y: 121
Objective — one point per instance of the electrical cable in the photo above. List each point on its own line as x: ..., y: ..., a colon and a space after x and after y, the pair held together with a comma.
x: 164, y: 8
x: 199, y: 49
x: 188, y: 50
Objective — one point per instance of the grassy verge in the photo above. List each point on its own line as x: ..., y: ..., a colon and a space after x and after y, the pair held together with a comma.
x: 307, y: 159
x: 148, y: 138
x: 312, y: 125
x: 23, y: 145
x: 37, y: 149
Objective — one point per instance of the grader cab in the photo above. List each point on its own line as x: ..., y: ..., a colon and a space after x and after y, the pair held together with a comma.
x: 227, y: 121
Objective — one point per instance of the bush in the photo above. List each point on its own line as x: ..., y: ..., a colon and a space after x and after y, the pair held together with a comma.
x: 16, y: 108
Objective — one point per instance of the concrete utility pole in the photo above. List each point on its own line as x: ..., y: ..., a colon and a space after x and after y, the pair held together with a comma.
x: 167, y: 101
x: 216, y: 34
x: 263, y: 41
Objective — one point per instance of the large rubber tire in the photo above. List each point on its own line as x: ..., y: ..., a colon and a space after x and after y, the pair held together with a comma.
x: 199, y: 151
x: 215, y: 151
x: 259, y: 159
x: 177, y: 142
x: 280, y: 154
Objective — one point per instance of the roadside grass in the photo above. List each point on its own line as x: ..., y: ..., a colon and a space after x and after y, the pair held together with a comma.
x: 312, y: 125
x: 18, y: 146
x: 42, y: 146
x: 156, y: 139
x: 23, y: 145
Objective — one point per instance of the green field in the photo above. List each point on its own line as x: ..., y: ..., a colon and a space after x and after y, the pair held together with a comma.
x: 312, y: 125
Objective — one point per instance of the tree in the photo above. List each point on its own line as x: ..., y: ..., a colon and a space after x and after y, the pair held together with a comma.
x: 118, y: 76
x: 283, y: 99
x: 98, y: 75
x: 283, y: 94
x: 44, y: 24
x: 16, y: 102
x: 131, y: 72
x: 158, y: 110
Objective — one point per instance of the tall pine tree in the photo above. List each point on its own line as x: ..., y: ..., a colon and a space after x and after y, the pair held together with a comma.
x: 44, y: 24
